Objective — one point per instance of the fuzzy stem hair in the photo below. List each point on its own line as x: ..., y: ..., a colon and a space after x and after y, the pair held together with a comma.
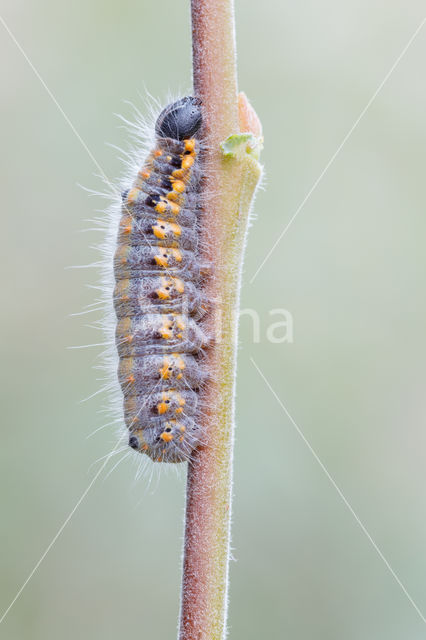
x: 232, y: 174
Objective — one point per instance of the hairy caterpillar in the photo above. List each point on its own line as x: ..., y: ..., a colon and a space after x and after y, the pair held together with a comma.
x: 158, y: 296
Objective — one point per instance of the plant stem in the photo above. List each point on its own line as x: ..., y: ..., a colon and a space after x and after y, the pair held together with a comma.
x: 227, y: 194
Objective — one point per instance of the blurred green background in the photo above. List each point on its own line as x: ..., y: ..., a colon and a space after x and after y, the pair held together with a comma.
x: 350, y: 270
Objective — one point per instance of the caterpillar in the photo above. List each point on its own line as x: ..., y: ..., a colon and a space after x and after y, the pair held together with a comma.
x: 158, y: 294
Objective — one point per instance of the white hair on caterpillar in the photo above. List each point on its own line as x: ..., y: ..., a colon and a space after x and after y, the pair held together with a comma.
x: 169, y: 412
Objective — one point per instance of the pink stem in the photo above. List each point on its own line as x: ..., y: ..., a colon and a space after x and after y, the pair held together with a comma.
x: 208, y: 506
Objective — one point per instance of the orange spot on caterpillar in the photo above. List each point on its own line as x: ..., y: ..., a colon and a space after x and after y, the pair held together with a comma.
x: 161, y: 207
x: 187, y: 162
x: 161, y: 408
x: 165, y: 331
x: 164, y: 370
x: 161, y: 261
x: 178, y: 173
x: 161, y: 228
x: 190, y: 144
x: 164, y: 292
x: 162, y: 295
x: 179, y: 186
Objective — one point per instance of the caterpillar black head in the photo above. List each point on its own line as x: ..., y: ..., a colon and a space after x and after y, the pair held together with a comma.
x: 134, y: 442
x: 180, y: 120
